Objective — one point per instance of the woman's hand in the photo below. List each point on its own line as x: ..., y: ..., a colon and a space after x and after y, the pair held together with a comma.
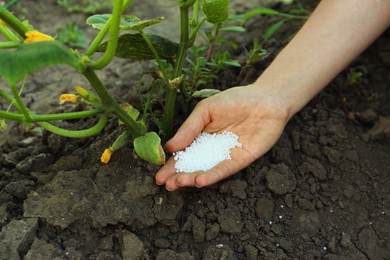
x: 257, y: 116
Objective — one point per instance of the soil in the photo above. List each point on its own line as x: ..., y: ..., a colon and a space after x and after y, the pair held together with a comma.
x: 321, y: 193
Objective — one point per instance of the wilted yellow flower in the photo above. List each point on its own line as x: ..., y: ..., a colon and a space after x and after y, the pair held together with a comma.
x: 35, y: 36
x: 68, y: 98
x: 106, y: 156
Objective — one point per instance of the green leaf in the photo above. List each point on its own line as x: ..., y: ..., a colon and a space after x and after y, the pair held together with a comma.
x: 258, y: 11
x: 216, y: 11
x: 234, y: 63
x: 31, y: 56
x: 126, y: 23
x: 132, y: 111
x: 205, y: 93
x: 123, y: 139
x: 149, y: 148
x: 272, y: 29
x: 133, y: 46
x: 233, y: 29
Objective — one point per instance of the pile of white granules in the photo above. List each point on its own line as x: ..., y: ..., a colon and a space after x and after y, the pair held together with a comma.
x: 206, y: 151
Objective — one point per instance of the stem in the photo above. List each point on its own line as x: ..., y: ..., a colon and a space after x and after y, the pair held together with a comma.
x: 8, y: 33
x: 8, y: 45
x: 77, y: 133
x: 20, y: 103
x: 103, y: 32
x: 98, y: 39
x: 170, y: 97
x: 50, y: 117
x: 113, y: 38
x: 13, y: 22
x: 151, y: 47
x: 212, y: 42
x: 111, y: 105
x: 195, y: 32
x: 195, y: 15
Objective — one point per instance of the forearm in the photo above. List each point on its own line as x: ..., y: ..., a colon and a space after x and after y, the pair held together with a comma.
x: 335, y: 34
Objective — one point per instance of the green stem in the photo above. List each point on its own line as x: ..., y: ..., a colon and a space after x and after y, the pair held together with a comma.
x: 111, y: 105
x: 195, y: 15
x: 113, y: 37
x: 170, y: 97
x: 195, y: 32
x: 213, y: 41
x: 8, y: 45
x: 98, y: 39
x: 151, y: 47
x: 20, y: 103
x: 77, y: 133
x: 8, y: 33
x: 13, y: 22
x: 50, y: 117
x: 103, y: 32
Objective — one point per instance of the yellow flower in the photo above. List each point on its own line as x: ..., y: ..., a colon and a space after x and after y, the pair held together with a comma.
x: 106, y: 156
x: 68, y: 98
x: 82, y: 91
x: 35, y: 36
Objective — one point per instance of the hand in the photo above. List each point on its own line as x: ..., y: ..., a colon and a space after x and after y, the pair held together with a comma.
x: 258, y: 116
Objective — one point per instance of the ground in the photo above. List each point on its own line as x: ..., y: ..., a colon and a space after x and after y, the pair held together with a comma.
x: 321, y: 193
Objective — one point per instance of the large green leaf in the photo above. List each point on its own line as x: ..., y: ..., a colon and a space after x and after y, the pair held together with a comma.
x: 127, y: 22
x: 133, y: 46
x: 149, y: 148
x: 14, y: 65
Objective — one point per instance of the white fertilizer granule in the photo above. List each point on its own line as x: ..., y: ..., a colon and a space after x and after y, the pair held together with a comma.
x: 206, y: 151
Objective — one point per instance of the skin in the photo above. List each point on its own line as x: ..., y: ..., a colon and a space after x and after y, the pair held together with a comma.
x: 335, y: 34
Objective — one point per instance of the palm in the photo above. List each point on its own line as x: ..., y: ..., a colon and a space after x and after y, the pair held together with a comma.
x: 245, y: 111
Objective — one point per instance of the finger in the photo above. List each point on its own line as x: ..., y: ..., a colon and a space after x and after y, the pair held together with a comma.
x: 190, y: 129
x: 181, y: 180
x: 222, y: 171
x: 166, y: 171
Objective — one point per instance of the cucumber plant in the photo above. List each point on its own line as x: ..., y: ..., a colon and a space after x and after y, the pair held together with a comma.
x: 26, y: 50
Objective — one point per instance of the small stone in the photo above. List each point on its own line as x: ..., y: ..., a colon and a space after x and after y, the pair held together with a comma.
x: 345, y: 240
x: 348, y: 192
x: 19, y: 189
x: 305, y: 204
x: 251, y: 252
x: 230, y: 221
x: 264, y: 208
x: 40, y: 162
x: 106, y: 243
x: 332, y: 155
x: 380, y: 131
x: 43, y: 250
x: 280, y: 179
x: 196, y: 225
x: 368, y: 117
x: 170, y: 254
x: 132, y: 247
x: 16, y: 237
x: 213, y: 232
x: 162, y: 243
x: 235, y: 187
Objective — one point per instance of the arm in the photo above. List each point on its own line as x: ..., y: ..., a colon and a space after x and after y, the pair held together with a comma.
x: 336, y: 32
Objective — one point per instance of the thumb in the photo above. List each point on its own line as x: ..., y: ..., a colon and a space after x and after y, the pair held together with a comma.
x: 191, y: 128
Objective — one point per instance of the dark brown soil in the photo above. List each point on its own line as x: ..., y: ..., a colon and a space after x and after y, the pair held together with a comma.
x: 321, y: 193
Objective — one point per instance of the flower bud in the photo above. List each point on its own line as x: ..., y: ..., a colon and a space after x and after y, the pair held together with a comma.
x: 216, y: 11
